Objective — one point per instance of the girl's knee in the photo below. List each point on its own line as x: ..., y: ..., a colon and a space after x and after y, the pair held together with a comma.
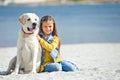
x: 68, y: 66
x: 53, y: 67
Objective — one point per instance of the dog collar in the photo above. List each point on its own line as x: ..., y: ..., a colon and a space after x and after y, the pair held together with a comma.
x: 26, y: 32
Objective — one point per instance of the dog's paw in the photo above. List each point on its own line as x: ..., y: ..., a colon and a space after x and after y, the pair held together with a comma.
x: 32, y: 72
x: 14, y: 73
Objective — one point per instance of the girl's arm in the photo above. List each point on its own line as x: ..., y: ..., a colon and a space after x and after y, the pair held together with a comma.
x: 49, y: 46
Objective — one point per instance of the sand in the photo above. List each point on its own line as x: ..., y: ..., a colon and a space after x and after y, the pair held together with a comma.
x: 98, y: 61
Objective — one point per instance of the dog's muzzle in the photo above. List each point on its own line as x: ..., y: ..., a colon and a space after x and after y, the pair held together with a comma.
x: 34, y: 25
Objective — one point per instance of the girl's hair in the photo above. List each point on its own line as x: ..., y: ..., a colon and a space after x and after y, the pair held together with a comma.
x: 55, y: 32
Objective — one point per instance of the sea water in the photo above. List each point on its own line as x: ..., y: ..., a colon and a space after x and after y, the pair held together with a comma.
x: 98, y: 23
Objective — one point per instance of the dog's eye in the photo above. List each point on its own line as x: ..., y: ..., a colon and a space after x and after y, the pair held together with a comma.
x: 28, y: 19
x: 35, y: 19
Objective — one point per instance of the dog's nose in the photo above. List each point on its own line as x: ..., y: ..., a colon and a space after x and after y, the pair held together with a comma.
x: 34, y: 24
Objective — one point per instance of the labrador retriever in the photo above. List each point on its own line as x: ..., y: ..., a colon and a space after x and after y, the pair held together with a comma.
x: 28, y: 56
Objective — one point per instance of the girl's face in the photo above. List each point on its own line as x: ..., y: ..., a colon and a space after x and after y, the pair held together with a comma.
x: 47, y: 27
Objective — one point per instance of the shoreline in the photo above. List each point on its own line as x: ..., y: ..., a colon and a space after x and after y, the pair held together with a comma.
x: 74, y: 44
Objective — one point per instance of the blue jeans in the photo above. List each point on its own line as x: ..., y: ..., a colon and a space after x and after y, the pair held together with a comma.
x: 61, y: 66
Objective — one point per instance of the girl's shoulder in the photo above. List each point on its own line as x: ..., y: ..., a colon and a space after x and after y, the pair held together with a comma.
x: 57, y: 37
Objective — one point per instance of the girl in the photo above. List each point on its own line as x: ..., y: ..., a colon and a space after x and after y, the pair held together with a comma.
x: 51, y: 59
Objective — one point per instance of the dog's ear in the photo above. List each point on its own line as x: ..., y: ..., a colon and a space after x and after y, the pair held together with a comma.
x: 22, y: 19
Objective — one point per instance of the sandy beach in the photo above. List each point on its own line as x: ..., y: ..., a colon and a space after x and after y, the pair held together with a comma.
x: 98, y: 61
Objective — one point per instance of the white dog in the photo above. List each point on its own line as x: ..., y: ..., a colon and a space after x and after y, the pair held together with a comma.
x: 28, y: 47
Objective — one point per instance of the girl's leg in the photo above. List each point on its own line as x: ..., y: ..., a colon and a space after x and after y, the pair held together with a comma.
x: 52, y: 67
x: 68, y: 66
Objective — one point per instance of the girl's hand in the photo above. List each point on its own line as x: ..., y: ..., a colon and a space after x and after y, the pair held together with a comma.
x: 38, y: 37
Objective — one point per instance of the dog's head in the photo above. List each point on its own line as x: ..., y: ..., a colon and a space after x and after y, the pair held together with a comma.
x: 30, y: 22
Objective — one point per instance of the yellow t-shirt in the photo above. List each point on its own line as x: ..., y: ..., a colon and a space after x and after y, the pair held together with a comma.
x: 49, y: 47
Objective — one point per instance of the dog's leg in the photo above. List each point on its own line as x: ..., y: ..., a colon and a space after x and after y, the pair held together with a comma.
x: 34, y: 60
x: 18, y: 60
